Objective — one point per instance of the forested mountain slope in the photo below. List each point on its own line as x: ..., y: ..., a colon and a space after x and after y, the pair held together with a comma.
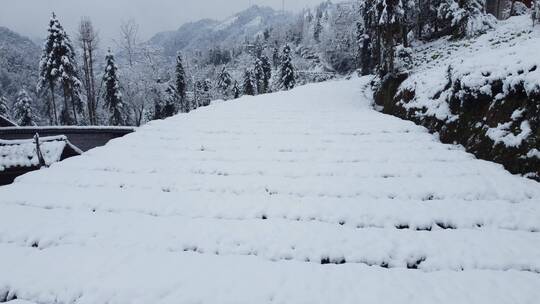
x: 234, y: 31
x: 18, y: 63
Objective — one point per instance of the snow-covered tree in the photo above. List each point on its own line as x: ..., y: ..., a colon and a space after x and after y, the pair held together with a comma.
x: 111, y: 94
x: 390, y: 24
x: 206, y: 95
x: 318, y: 28
x: 4, y: 109
x: 535, y: 12
x: 49, y: 65
x: 88, y: 41
x: 258, y: 75
x: 181, y: 84
x: 249, y: 86
x: 23, y: 111
x: 58, y: 68
x: 276, y: 60
x: 267, y: 73
x: 288, y: 78
x: 463, y: 17
x: 236, y: 90
x: 224, y: 82
x: 166, y: 100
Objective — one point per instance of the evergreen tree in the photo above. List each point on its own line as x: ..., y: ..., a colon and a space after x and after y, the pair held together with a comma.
x: 258, y: 74
x: 288, y: 80
x: 535, y: 12
x: 4, y: 110
x: 166, y: 100
x: 368, y: 37
x: 159, y: 103
x: 236, y: 90
x: 70, y: 81
x: 224, y: 81
x: 318, y: 28
x: 58, y: 67
x: 49, y: 65
x: 197, y: 94
x: 206, y: 96
x: 181, y: 84
x: 275, y: 58
x: 249, y: 87
x: 112, y: 95
x: 172, y: 102
x: 23, y: 110
x: 390, y: 27
x: 267, y: 74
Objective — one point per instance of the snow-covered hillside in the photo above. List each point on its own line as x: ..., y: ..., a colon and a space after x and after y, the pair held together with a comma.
x: 205, y: 34
x: 18, y: 57
x: 482, y: 92
x: 306, y: 196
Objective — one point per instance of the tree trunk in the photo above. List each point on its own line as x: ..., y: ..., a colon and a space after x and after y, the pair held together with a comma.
x: 53, y: 102
x: 74, y: 109
x: 92, y: 87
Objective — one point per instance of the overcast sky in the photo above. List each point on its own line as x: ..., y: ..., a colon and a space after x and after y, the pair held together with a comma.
x: 30, y: 17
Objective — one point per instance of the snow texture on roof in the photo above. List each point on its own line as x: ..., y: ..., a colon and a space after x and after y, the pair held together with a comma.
x: 23, y: 153
x: 306, y: 196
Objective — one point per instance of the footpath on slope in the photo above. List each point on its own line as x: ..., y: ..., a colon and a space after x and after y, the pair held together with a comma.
x: 306, y: 196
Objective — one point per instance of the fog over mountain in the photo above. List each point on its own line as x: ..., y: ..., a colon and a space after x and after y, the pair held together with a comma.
x: 153, y: 16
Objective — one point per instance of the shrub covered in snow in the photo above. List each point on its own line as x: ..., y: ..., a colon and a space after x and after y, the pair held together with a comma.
x: 483, y: 93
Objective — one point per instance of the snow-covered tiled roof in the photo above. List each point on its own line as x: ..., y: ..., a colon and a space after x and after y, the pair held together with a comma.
x: 23, y: 153
x: 306, y: 196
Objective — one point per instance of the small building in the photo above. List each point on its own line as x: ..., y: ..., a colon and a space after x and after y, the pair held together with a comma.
x: 18, y: 157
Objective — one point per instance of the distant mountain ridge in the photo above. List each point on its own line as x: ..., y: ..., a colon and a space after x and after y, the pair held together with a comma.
x: 19, y: 58
x: 202, y: 34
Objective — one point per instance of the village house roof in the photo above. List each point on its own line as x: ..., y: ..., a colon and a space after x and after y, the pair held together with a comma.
x: 24, y: 153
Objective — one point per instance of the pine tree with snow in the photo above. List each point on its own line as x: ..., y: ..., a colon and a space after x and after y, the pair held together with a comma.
x: 172, y: 101
x: 49, y: 66
x: 181, y: 84
x: 23, y: 110
x: 390, y: 27
x: 288, y: 78
x: 58, y: 68
x: 317, y: 30
x: 112, y: 95
x: 535, y: 14
x: 236, y: 90
x: 258, y: 74
x: 276, y: 60
x: 224, y: 82
x: 4, y: 109
x: 368, y: 37
x: 249, y: 87
x: 70, y: 82
x: 158, y: 96
x: 206, y: 96
x: 267, y: 74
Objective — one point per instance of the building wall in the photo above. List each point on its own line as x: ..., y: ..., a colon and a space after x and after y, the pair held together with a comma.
x: 83, y: 138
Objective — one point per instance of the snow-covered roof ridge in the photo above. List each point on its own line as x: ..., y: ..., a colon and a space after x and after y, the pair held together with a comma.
x: 304, y: 196
x: 23, y: 153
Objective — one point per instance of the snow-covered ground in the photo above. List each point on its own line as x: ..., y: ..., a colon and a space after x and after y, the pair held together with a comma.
x: 307, y: 196
x: 508, y: 53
